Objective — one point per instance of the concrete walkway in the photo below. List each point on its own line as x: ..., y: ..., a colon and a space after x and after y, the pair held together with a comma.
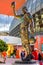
x: 11, y: 61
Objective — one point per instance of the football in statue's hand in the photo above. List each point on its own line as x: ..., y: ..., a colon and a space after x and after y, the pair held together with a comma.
x: 13, y: 4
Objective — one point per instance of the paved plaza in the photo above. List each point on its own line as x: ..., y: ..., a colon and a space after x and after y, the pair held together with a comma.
x: 11, y: 61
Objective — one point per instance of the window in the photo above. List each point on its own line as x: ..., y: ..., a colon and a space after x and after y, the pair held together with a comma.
x: 34, y: 1
x: 38, y: 3
x: 29, y: 9
x: 29, y: 5
x: 41, y: 15
x: 41, y: 1
x: 33, y: 4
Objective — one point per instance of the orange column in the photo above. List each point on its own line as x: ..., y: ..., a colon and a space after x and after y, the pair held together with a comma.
x: 17, y: 54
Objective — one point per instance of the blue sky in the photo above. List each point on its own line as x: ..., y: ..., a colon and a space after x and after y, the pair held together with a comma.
x: 5, y: 22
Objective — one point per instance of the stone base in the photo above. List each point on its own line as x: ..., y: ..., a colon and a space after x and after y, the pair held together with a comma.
x: 25, y: 62
x: 2, y: 62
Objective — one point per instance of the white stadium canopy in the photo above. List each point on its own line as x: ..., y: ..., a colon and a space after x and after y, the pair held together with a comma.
x: 11, y: 40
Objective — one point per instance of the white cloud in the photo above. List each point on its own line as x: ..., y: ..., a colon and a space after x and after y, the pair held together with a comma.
x: 4, y: 27
x: 5, y: 22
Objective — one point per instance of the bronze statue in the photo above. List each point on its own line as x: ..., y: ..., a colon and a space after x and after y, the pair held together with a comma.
x: 26, y: 21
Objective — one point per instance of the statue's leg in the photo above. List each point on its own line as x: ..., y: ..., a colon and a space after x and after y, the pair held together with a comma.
x: 25, y: 37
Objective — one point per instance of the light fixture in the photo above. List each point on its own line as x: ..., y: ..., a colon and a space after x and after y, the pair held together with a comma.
x: 42, y: 21
x: 41, y: 15
x: 36, y: 15
x: 37, y: 19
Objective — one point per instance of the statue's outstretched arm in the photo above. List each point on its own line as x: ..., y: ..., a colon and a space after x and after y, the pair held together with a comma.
x: 15, y: 15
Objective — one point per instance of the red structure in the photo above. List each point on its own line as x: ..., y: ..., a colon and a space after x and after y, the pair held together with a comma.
x: 5, y: 6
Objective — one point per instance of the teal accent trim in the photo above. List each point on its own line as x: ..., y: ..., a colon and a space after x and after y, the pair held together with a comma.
x: 42, y: 47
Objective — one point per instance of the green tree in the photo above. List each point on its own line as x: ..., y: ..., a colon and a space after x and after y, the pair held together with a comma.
x: 3, y: 46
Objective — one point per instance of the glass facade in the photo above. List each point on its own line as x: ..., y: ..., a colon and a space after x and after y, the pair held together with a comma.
x: 41, y: 1
x: 38, y: 2
x: 38, y: 20
x: 33, y: 4
x: 35, y: 8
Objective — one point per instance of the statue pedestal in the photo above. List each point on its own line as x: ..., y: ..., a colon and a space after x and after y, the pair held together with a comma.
x: 25, y: 62
x: 32, y: 62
